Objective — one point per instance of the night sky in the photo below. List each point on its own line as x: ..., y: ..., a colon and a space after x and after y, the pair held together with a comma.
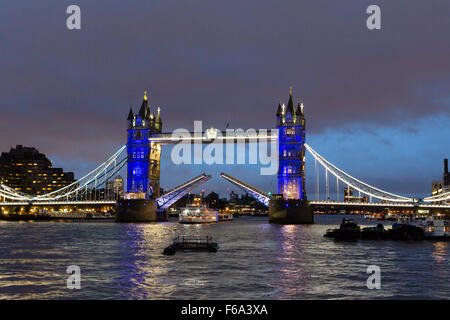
x: 377, y: 102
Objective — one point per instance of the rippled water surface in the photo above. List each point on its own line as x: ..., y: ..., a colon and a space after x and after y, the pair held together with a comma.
x: 256, y: 260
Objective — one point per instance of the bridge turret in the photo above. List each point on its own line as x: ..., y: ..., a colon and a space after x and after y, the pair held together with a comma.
x: 299, y: 112
x: 280, y: 114
x: 290, y: 112
x: 130, y: 118
x: 158, y: 122
x: 144, y: 111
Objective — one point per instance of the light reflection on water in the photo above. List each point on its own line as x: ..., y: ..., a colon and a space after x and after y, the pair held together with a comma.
x: 256, y: 260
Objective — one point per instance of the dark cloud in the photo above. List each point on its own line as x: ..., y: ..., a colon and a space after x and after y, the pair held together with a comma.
x: 68, y: 92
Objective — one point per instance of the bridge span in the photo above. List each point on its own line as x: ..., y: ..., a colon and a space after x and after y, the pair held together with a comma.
x: 142, y: 154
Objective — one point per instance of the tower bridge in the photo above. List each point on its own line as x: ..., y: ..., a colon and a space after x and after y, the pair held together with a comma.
x: 142, y: 158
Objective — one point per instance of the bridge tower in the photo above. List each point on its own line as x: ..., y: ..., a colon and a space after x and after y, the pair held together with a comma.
x: 138, y: 150
x: 291, y: 150
x: 290, y: 204
x: 143, y: 167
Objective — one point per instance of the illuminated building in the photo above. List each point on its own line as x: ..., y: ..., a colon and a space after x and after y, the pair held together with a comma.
x: 291, y: 131
x: 27, y: 170
x: 114, y: 188
x: 443, y: 186
x: 143, y: 168
x: 290, y: 205
x: 118, y: 186
x: 143, y: 171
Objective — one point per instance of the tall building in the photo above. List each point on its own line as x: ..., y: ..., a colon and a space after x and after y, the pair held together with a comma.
x: 143, y: 156
x: 118, y: 186
x: 114, y: 188
x: 446, y: 175
x: 27, y: 170
x: 443, y: 186
x: 291, y: 169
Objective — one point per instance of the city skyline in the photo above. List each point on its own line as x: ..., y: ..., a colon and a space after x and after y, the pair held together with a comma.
x: 60, y: 96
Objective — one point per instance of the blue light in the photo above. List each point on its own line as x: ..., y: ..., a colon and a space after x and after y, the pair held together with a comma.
x: 138, y: 149
x: 291, y: 154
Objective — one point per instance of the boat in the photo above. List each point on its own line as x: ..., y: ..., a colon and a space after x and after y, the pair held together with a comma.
x: 374, y: 233
x: 348, y: 230
x: 435, y: 227
x: 191, y: 243
x: 405, y: 232
x: 225, y: 217
x: 193, y: 214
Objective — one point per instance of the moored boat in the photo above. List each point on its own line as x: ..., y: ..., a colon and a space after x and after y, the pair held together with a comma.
x: 435, y: 227
x: 374, y: 233
x: 225, y: 217
x: 348, y: 230
x: 405, y: 232
x: 191, y: 243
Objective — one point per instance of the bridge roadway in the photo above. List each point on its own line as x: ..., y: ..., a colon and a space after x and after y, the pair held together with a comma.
x: 377, y: 206
x: 59, y: 203
x: 317, y: 206
x: 215, y: 135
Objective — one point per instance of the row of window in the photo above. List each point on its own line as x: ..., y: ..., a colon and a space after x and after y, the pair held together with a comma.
x: 138, y: 155
x: 291, y: 153
x: 289, y: 169
x: 139, y: 185
x: 138, y: 171
x: 289, y: 131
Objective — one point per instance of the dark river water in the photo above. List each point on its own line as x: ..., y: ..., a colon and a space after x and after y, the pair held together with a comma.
x: 256, y: 260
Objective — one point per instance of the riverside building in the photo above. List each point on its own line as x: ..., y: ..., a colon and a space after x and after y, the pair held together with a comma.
x: 27, y: 170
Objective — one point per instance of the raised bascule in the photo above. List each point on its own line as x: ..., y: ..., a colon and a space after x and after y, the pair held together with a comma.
x: 143, y: 202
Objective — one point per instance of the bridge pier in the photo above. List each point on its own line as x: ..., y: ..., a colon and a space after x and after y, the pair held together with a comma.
x: 290, y: 211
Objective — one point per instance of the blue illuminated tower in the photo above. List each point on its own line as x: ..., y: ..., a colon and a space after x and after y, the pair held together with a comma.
x: 290, y: 205
x: 143, y: 168
x: 291, y: 135
x: 138, y: 149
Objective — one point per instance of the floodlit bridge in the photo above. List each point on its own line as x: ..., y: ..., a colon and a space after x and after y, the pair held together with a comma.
x: 81, y: 191
x: 141, y: 158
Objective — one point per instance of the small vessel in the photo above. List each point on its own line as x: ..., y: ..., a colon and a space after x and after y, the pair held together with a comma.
x: 435, y: 227
x: 374, y: 233
x: 405, y: 232
x: 198, y: 214
x: 348, y: 230
x: 225, y: 217
x: 191, y: 243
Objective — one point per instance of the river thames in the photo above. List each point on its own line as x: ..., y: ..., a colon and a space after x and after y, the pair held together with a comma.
x: 256, y: 260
